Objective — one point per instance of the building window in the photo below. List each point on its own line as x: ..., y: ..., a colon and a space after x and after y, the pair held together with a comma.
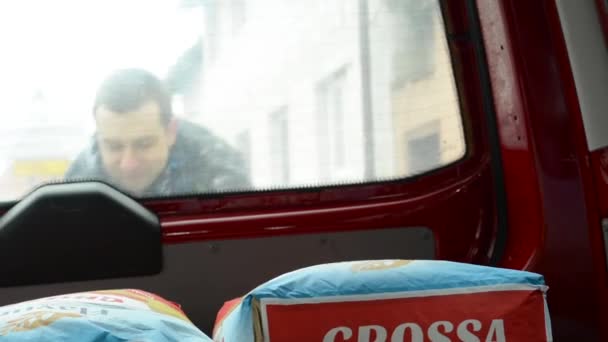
x: 424, y: 149
x: 279, y: 146
x: 331, y: 123
x: 414, y: 51
x: 243, y: 144
x: 238, y: 9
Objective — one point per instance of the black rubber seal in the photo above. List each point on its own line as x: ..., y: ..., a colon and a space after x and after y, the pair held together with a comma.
x: 496, y: 164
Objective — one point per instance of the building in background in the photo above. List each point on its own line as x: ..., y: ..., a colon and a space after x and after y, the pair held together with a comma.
x: 425, y: 116
x: 316, y: 92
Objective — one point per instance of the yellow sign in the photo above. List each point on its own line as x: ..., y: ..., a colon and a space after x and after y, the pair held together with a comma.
x: 40, y: 167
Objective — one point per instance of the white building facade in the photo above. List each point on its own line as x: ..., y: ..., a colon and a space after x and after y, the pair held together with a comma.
x: 316, y: 92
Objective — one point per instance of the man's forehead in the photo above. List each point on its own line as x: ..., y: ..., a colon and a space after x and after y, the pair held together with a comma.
x: 145, y: 119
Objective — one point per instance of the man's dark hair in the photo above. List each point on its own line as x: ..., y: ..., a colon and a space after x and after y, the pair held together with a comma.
x: 127, y: 89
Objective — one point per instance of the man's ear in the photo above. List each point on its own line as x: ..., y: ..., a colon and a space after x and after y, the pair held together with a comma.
x: 172, y: 131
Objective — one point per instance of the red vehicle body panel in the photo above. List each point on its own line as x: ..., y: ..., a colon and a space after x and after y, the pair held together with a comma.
x: 557, y: 199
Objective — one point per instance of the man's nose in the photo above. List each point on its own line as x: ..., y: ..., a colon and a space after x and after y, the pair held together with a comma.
x: 128, y: 161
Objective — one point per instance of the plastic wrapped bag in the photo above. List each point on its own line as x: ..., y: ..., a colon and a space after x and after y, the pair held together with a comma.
x: 100, y: 316
x: 391, y: 300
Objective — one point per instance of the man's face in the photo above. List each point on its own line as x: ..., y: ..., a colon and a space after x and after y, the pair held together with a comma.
x: 134, y: 145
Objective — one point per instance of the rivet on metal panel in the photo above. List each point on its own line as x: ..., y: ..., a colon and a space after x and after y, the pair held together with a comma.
x: 214, y: 248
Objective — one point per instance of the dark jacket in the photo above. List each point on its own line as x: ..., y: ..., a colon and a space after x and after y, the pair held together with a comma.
x: 199, y: 162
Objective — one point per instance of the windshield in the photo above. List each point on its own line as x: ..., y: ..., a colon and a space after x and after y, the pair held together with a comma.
x: 166, y: 98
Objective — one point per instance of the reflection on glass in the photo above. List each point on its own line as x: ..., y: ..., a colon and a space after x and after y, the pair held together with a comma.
x: 142, y: 148
x: 224, y: 95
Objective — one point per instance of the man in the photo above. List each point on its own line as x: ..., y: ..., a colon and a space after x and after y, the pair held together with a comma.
x: 141, y: 148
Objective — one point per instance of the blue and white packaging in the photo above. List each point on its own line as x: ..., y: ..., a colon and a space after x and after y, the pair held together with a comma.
x: 98, y: 316
x: 391, y: 300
